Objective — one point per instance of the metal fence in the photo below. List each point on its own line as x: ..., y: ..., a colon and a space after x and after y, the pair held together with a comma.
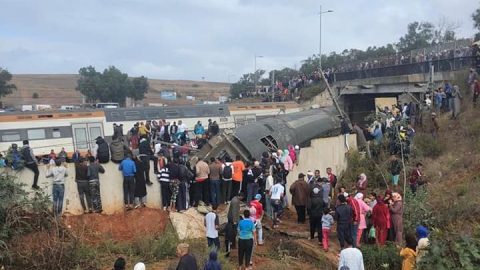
x: 450, y: 64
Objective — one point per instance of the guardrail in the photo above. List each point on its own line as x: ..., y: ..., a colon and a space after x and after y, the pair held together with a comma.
x: 450, y: 64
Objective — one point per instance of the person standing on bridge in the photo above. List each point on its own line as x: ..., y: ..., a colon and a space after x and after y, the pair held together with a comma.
x: 81, y: 177
x: 146, y: 154
x: 58, y: 173
x: 127, y: 166
x: 94, y: 168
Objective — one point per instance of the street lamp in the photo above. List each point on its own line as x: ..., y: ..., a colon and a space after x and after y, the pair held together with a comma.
x: 255, y: 72
x: 320, y: 43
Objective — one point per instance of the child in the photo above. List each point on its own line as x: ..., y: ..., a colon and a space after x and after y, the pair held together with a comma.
x: 408, y: 253
x: 327, y: 223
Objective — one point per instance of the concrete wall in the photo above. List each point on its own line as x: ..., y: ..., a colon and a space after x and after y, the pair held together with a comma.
x: 322, y: 153
x: 111, y: 188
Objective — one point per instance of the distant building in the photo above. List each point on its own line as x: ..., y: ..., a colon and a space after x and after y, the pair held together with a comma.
x: 209, y: 102
x: 168, y: 95
x: 190, y: 97
x: 222, y: 99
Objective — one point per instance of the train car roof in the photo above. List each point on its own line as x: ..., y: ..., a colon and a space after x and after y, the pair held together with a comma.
x: 293, y: 128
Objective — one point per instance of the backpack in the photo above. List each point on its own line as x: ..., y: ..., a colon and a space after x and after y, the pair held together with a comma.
x: 227, y: 172
x: 14, y: 159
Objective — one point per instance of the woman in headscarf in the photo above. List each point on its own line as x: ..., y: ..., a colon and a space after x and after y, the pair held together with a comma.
x: 423, y: 242
x: 364, y: 208
x: 396, y: 215
x: 388, y: 201
x: 291, y: 153
x: 287, y: 161
x: 212, y: 263
x: 456, y: 101
x: 409, y: 253
x: 362, y: 182
x: 380, y: 220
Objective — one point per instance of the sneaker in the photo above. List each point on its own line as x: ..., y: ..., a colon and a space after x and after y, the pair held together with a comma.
x: 138, y: 206
x: 164, y: 208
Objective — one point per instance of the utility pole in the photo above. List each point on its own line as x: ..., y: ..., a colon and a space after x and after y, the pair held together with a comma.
x: 320, y: 41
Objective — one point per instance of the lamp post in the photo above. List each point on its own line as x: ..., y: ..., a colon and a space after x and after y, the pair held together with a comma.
x: 255, y: 72
x: 320, y: 42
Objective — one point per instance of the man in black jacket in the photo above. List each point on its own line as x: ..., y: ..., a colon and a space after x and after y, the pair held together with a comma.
x: 315, y: 211
x: 146, y: 154
x: 31, y: 163
x: 187, y: 261
x: 81, y: 177
x: 103, y: 151
x: 343, y: 216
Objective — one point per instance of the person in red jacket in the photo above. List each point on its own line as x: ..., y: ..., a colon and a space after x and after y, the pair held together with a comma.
x: 355, y: 217
x: 380, y: 220
x: 258, y: 217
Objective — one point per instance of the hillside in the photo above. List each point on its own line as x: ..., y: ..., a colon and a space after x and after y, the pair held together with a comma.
x: 59, y: 89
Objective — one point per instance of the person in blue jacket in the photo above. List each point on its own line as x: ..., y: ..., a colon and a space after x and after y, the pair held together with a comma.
x: 127, y: 166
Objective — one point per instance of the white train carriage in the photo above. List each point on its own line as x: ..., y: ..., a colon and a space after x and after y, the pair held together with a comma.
x: 77, y: 130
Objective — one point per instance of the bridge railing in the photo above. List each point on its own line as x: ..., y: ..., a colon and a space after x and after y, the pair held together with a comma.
x: 450, y: 64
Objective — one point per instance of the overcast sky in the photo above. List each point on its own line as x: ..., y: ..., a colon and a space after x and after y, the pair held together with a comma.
x: 191, y: 39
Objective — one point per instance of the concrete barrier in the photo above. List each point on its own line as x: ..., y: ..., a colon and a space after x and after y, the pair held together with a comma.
x: 322, y: 153
x: 111, y: 188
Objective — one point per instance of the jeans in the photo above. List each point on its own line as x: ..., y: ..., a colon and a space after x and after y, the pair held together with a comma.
x: 316, y: 226
x: 245, y: 247
x: 128, y: 189
x: 166, y: 193
x: 215, y: 192
x: 36, y: 173
x: 57, y: 194
x: 268, y: 206
x: 354, y: 234
x: 213, y: 241
x: 344, y: 231
x: 235, y: 188
x: 84, y: 194
x: 252, y: 190
x: 259, y: 228
x: 227, y: 190
x: 146, y: 162
x: 277, y: 210
x: 140, y: 200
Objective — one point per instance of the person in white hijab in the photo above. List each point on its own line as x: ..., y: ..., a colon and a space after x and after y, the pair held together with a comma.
x: 139, y: 266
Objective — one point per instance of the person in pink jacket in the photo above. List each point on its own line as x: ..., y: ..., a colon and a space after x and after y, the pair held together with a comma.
x: 364, y: 209
x: 287, y: 161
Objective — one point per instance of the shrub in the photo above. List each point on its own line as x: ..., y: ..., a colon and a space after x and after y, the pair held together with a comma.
x: 425, y: 146
x: 417, y: 211
x: 386, y: 257
x: 451, y: 250
x: 309, y: 92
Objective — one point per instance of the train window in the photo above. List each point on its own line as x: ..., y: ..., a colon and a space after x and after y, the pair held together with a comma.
x: 95, y: 132
x: 270, y: 143
x: 81, y: 138
x: 223, y: 119
x: 36, y: 134
x: 171, y: 113
x: 56, y: 133
x: 132, y: 115
x: 11, y: 136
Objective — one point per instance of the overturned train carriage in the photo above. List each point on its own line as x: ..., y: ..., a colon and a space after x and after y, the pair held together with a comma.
x: 273, y: 133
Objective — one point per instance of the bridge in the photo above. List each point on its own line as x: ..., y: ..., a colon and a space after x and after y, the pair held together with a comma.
x: 358, y: 90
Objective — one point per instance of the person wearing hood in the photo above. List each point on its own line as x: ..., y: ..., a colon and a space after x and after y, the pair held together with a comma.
x: 315, y: 211
x: 409, y: 253
x: 140, y: 193
x: 103, y: 151
x: 212, y: 263
x: 118, y: 150
x: 146, y: 154
x: 364, y: 209
x: 297, y: 154
x: 396, y: 215
x: 139, y: 266
x: 187, y: 261
x: 30, y: 162
x: 423, y: 242
x: 362, y: 182
x: 380, y: 220
x: 325, y: 190
x: 287, y: 161
x: 456, y: 101
x: 198, y: 129
x: 119, y: 264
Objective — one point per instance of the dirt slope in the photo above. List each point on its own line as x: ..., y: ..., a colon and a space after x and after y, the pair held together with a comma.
x: 59, y: 89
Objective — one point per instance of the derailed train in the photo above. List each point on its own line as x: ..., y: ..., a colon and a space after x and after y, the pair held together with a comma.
x: 271, y: 134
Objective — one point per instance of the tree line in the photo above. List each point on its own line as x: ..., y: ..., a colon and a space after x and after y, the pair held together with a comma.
x: 419, y: 35
x: 111, y: 85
